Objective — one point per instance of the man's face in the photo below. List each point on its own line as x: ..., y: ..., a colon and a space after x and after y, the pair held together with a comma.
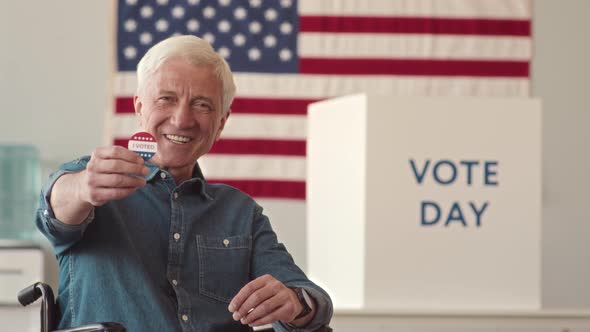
x: 180, y: 105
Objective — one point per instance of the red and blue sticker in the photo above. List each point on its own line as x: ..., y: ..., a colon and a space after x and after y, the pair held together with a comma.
x: 144, y: 144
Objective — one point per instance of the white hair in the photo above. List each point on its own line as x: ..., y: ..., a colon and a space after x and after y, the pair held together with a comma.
x: 193, y: 50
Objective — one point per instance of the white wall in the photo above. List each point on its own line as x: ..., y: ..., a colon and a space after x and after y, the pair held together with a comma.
x: 561, y: 70
x: 54, y: 68
x: 54, y: 65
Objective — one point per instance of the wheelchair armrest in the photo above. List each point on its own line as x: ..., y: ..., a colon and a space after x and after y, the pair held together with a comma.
x: 100, y: 327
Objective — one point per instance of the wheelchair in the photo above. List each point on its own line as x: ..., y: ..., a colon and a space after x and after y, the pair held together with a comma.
x: 48, y: 312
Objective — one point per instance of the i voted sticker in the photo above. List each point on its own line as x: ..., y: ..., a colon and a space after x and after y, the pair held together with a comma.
x: 144, y: 144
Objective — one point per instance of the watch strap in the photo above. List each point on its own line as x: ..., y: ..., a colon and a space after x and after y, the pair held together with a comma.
x: 304, y: 302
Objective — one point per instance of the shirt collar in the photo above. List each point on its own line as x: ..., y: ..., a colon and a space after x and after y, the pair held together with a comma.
x: 197, y: 177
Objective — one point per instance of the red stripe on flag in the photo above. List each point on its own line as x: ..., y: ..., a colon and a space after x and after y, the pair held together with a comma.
x: 267, y: 188
x: 124, y: 105
x: 260, y: 146
x: 422, y: 25
x: 414, y: 67
x: 121, y: 142
x: 250, y: 146
x: 271, y: 106
x: 258, y: 188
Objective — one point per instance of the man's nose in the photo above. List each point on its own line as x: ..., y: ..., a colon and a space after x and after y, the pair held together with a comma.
x: 183, y: 117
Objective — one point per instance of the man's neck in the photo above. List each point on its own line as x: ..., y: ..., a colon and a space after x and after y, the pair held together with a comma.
x: 179, y: 174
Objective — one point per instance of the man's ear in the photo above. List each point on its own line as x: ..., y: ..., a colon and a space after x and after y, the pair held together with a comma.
x: 137, y: 105
x: 222, y: 125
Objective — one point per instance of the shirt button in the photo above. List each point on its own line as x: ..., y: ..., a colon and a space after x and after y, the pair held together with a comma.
x: 162, y: 175
x: 174, y: 282
x: 184, y: 318
x: 175, y: 195
x: 176, y: 236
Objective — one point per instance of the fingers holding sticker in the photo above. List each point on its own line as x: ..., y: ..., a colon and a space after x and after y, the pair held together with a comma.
x: 115, y: 172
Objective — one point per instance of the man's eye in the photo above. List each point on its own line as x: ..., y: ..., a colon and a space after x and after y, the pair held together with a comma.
x: 202, y: 106
x: 166, y: 99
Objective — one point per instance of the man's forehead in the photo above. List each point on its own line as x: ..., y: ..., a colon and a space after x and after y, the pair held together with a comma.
x: 176, y: 76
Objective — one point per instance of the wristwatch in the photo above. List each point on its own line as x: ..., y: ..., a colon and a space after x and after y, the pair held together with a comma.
x: 305, y: 301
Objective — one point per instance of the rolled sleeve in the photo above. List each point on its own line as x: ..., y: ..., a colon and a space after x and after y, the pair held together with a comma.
x: 62, y: 236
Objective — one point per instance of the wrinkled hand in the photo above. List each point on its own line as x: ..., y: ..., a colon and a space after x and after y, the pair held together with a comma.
x: 263, y: 301
x: 112, y: 173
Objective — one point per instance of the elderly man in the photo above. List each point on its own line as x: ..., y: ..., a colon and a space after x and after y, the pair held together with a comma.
x: 155, y: 247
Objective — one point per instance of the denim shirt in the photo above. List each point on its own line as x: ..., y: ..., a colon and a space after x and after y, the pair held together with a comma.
x: 168, y: 257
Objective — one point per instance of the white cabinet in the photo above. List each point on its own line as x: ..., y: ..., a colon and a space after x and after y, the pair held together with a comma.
x: 20, y: 266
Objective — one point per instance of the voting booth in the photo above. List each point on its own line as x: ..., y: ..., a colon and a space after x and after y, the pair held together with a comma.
x: 425, y: 203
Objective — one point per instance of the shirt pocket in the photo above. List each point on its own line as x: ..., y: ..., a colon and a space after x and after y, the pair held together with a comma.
x: 224, y: 265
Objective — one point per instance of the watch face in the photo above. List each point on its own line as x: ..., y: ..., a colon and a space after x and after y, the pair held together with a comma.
x: 306, y: 297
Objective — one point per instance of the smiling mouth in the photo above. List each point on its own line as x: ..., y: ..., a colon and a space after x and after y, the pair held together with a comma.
x: 176, y: 139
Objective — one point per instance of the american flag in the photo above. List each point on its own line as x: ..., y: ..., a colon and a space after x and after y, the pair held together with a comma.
x: 286, y: 54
